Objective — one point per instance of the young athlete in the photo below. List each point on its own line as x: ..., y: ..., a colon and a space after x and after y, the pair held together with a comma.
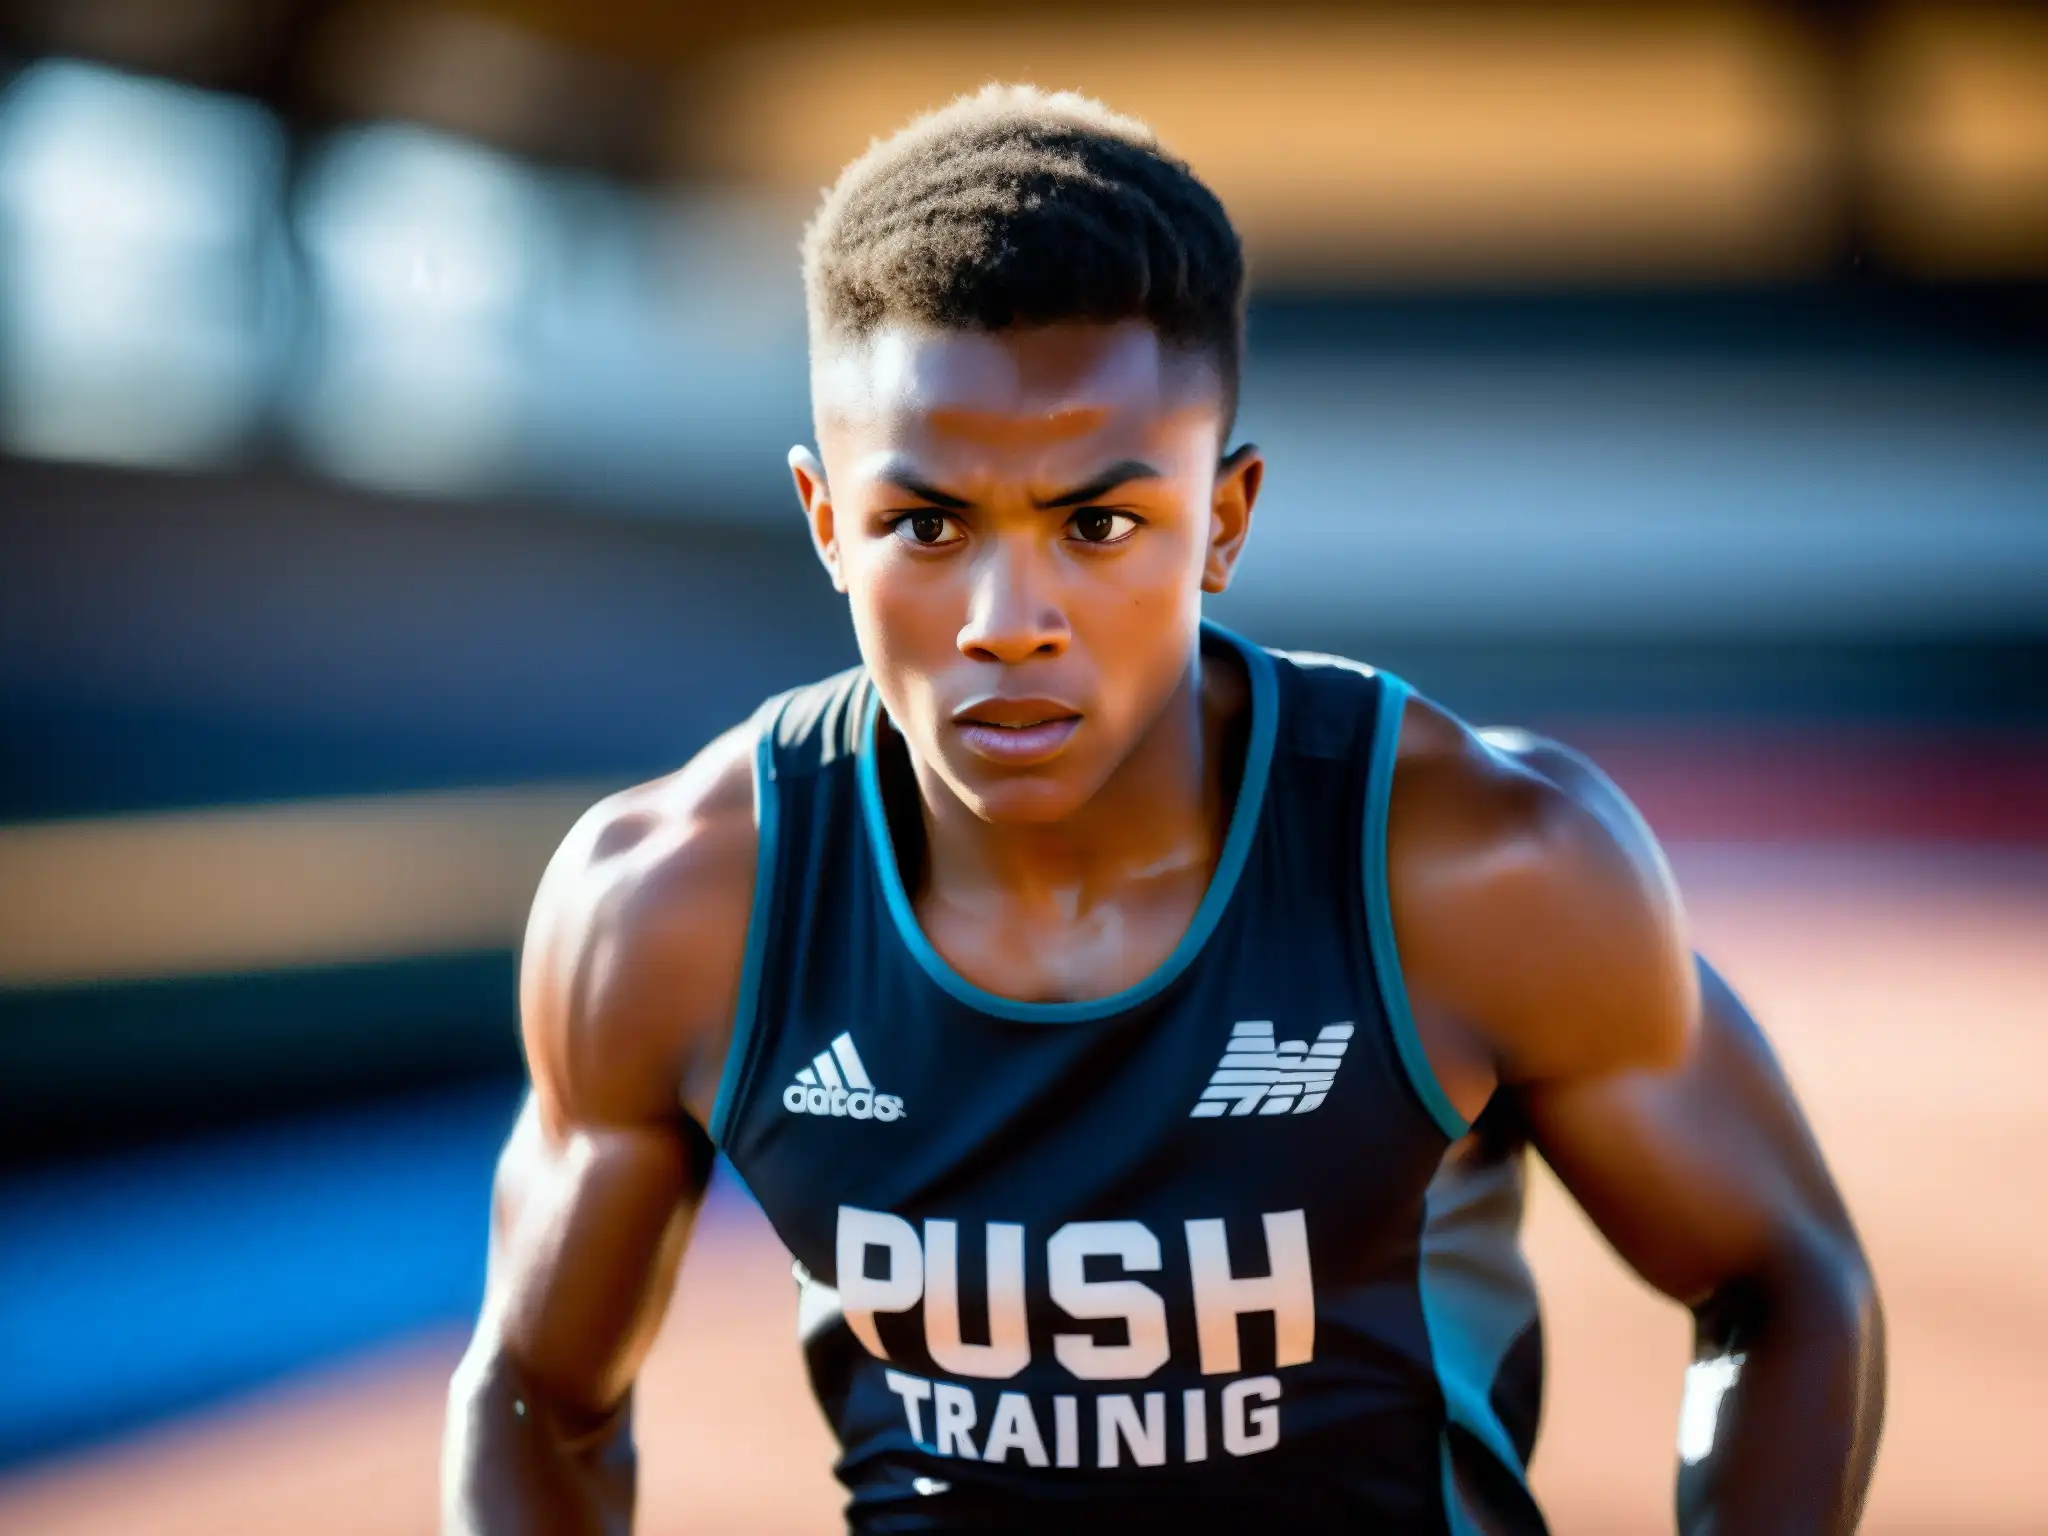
x: 1133, y: 1033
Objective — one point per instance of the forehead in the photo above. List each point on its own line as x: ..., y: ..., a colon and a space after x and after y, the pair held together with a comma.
x: 1021, y: 387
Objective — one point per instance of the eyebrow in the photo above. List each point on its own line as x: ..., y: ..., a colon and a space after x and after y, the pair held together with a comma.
x: 1121, y: 473
x: 924, y: 492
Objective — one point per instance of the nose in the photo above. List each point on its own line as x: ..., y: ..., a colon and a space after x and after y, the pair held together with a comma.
x: 1010, y: 616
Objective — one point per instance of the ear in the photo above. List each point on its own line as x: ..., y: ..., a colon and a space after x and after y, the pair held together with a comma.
x: 1238, y: 479
x: 811, y: 490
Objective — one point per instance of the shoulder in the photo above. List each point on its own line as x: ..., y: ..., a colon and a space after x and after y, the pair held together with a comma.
x: 1533, y: 904
x: 630, y: 969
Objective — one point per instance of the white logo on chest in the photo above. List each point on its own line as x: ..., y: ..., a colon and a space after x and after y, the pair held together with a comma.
x: 836, y: 1083
x: 1291, y: 1077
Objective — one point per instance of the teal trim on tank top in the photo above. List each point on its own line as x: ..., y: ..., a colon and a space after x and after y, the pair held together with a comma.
x: 1237, y: 843
x: 767, y: 828
x: 1379, y: 912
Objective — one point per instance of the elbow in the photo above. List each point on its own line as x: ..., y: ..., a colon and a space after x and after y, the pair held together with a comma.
x: 1834, y: 1285
x: 1832, y: 1319
x: 485, y: 1382
x: 515, y: 1463
x: 1857, y: 1311
x: 1815, y: 1298
x: 491, y: 1388
x: 1811, y: 1285
x: 494, y: 1386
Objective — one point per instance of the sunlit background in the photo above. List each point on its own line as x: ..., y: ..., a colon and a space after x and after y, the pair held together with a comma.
x: 393, y: 400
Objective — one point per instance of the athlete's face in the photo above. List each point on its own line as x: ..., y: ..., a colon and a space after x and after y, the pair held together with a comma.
x: 1024, y: 523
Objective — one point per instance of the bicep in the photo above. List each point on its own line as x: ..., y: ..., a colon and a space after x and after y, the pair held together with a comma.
x: 1700, y: 1174
x: 626, y: 985
x: 588, y: 1225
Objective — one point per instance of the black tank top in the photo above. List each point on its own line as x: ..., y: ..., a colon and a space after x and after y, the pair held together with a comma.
x: 1214, y: 1250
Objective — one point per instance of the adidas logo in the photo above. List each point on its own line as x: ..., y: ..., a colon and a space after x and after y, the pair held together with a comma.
x: 835, y: 1083
x: 1256, y: 1074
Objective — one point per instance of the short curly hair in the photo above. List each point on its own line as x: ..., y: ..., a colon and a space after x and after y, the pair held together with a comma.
x: 1020, y: 207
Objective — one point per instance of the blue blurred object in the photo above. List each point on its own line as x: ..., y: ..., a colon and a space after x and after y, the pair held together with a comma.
x: 144, y: 287
x: 424, y: 253
x: 135, y: 1287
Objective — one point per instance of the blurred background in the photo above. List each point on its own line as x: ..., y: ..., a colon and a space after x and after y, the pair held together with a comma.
x: 393, y: 400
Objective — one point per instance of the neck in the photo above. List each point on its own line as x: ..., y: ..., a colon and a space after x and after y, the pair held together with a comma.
x: 1160, y: 817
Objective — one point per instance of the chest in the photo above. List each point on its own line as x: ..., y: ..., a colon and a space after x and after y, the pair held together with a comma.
x: 1062, y: 944
x: 1261, y: 1082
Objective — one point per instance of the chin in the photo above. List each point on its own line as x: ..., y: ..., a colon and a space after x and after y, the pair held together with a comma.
x: 1023, y: 799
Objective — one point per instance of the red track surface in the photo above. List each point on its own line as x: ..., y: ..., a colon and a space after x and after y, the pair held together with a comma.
x: 1804, y: 784
x: 1908, y: 993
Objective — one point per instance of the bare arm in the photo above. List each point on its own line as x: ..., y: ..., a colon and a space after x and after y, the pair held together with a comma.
x: 1546, y: 952
x: 627, y: 986
x: 1708, y: 1182
x: 1540, y: 931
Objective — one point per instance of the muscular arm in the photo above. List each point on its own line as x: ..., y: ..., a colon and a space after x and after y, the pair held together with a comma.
x: 1546, y: 952
x: 1708, y: 1182
x: 627, y: 985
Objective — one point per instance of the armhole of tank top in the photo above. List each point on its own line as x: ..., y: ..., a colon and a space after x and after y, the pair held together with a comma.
x: 1379, y: 911
x: 732, y: 1080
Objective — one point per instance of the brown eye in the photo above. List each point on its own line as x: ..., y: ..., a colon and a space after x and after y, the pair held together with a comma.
x: 1093, y: 525
x: 927, y: 530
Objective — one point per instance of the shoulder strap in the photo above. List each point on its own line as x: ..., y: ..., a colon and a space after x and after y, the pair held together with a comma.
x: 818, y: 725
x: 798, y: 736
x: 1354, y: 711
x: 766, y: 724
x: 1385, y: 747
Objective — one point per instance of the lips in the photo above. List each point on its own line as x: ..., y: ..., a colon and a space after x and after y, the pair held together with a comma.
x: 1016, y: 732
